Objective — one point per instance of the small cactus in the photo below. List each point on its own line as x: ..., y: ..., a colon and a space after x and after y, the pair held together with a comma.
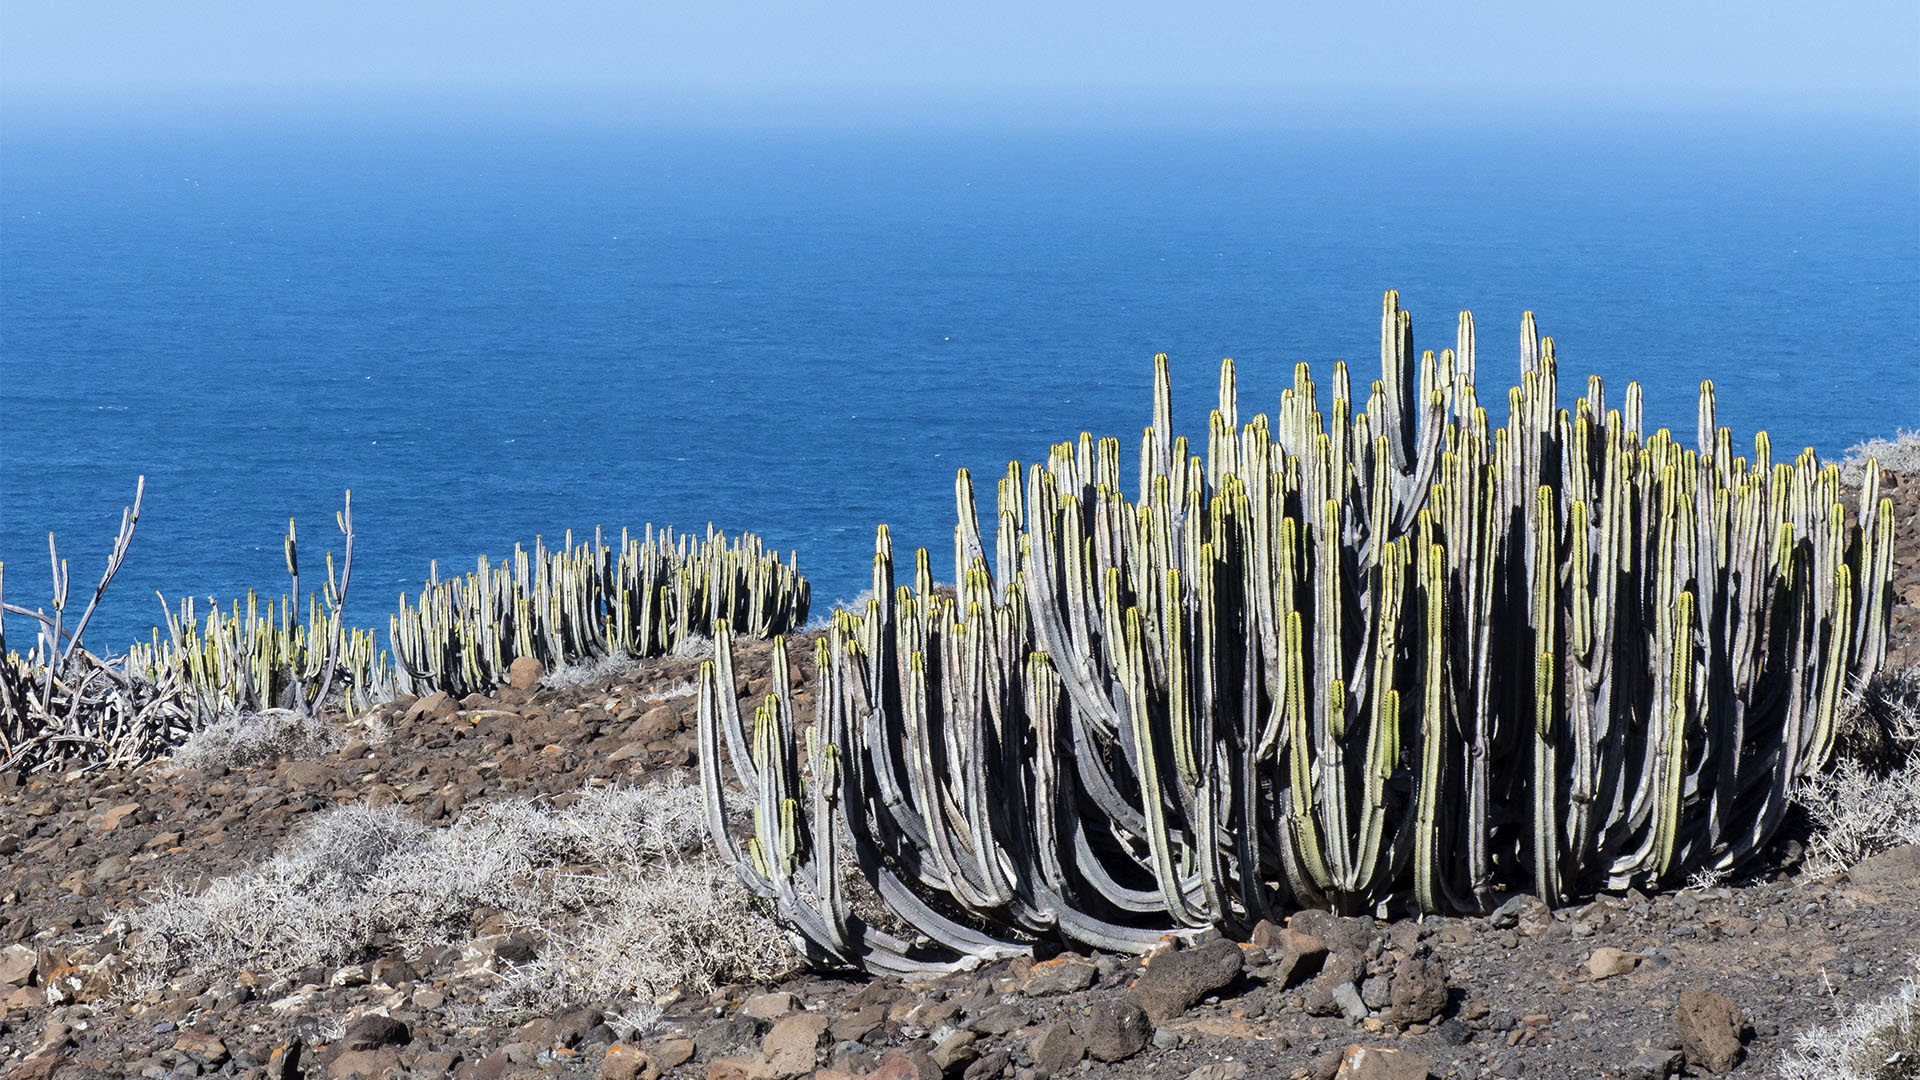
x: 589, y: 600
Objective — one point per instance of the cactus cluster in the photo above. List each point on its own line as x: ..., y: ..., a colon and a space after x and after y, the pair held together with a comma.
x: 247, y: 660
x: 61, y: 705
x: 1386, y: 656
x: 590, y: 600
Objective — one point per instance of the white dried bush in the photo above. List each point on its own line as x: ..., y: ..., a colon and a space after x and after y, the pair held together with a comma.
x: 1869, y: 801
x: 648, y: 933
x: 1880, y: 722
x: 677, y: 690
x: 619, y: 863
x: 1878, y: 1040
x: 590, y: 672
x: 1899, y: 454
x: 1857, y: 814
x: 254, y: 738
x: 693, y: 647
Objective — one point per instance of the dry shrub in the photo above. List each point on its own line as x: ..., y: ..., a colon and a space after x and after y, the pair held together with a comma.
x: 693, y: 647
x: 1899, y: 454
x: 1878, y: 1040
x: 1879, y: 723
x: 253, y: 738
x: 1870, y: 800
x: 1856, y: 813
x: 630, y: 901
x: 590, y: 672
x: 645, y: 933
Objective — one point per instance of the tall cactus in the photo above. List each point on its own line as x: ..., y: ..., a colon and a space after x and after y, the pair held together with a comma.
x: 1385, y: 654
x: 589, y: 600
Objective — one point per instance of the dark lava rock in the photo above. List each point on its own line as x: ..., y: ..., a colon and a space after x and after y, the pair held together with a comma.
x: 373, y: 1031
x: 1175, y: 980
x: 1419, y: 991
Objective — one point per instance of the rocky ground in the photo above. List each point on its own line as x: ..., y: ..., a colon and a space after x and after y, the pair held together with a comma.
x: 1712, y: 979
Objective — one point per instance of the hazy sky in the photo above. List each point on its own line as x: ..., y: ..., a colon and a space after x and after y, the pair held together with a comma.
x: 1844, y: 55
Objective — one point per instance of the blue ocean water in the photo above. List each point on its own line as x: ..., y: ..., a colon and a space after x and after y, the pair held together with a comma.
x: 489, y: 336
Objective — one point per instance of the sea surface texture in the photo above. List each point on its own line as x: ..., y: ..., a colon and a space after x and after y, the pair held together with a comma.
x: 493, y: 337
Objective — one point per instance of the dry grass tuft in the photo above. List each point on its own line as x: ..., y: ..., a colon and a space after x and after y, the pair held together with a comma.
x: 1878, y: 1040
x: 630, y: 902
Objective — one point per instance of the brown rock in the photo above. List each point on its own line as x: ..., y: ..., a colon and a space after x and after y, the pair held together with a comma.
x: 208, y: 1049
x: 1710, y: 1028
x: 17, y: 964
x: 656, y: 723
x: 856, y: 1025
x: 955, y: 1052
x: 112, y: 819
x: 768, y: 1006
x: 1376, y: 1063
x: 1115, y: 1030
x: 437, y: 706
x: 542, y: 1033
x: 1176, y: 980
x: 1338, y: 969
x: 1299, y: 955
x: 431, y: 1063
x: 370, y: 1064
x: 1065, y: 974
x: 39, y: 1068
x: 628, y: 1063
x: 1607, y: 961
x: 732, y: 1069
x: 1057, y: 1049
x: 1891, y: 867
x: 111, y: 868
x: 284, y: 1063
x: 673, y: 1053
x: 524, y: 672
x: 1418, y: 992
x: 391, y: 971
x: 906, y: 1065
x: 793, y: 1044
x: 989, y: 1066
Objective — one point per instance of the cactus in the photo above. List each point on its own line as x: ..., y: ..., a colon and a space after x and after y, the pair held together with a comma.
x: 590, y: 600
x: 1387, y: 655
x: 248, y: 659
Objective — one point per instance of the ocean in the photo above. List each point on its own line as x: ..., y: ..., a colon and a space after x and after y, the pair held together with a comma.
x: 490, y: 336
